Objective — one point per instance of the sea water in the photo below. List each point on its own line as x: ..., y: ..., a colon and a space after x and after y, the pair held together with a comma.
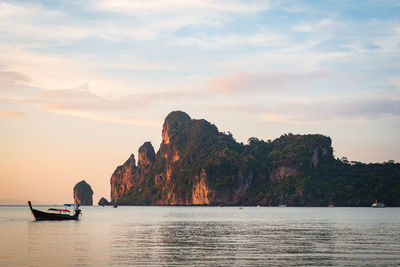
x: 202, y: 236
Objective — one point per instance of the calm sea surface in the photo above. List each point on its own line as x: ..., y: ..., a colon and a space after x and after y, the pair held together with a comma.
x: 203, y: 236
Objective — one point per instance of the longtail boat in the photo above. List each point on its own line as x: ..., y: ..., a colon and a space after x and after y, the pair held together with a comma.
x: 56, y: 214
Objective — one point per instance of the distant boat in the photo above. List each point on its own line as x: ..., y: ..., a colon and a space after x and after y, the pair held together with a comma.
x: 330, y: 202
x: 56, y: 214
x: 377, y: 204
x: 282, y: 205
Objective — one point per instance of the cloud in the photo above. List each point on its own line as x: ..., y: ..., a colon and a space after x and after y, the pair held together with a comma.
x: 313, y: 27
x: 371, y: 108
x: 104, y: 117
x: 151, y: 20
x: 12, y: 113
x: 82, y: 99
x: 163, y: 6
x: 8, y: 10
x: 207, y: 42
x: 385, y: 41
x: 82, y: 102
x: 43, y: 70
x: 395, y: 81
x: 336, y: 109
x: 317, y: 111
x: 131, y: 20
x: 32, y: 20
x: 288, y: 58
x: 12, y: 79
x: 388, y: 42
x: 36, y: 24
x: 259, y: 82
x: 46, y: 70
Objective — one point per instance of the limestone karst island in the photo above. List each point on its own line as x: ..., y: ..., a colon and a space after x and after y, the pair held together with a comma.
x: 198, y: 165
x: 83, y: 193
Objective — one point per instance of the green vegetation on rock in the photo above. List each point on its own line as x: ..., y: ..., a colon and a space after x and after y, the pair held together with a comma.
x: 299, y: 168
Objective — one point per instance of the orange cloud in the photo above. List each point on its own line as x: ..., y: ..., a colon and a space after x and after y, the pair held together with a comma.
x: 12, y: 113
x: 256, y: 82
x: 11, y: 79
x: 83, y: 99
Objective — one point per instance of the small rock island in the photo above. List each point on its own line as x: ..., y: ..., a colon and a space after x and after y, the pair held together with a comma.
x: 103, y: 202
x: 83, y: 193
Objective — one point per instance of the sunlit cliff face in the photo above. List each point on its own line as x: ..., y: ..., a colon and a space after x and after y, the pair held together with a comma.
x: 165, y: 133
x: 122, y: 179
x: 200, y: 190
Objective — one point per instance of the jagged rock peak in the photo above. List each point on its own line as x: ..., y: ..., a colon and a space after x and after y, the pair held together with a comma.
x: 174, y: 121
x: 147, y: 156
x: 83, y: 193
x: 131, y: 161
x: 122, y: 179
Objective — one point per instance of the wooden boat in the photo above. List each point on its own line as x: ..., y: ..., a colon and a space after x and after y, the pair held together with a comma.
x: 56, y: 214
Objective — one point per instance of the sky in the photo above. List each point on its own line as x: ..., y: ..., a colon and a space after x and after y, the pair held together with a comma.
x: 83, y: 84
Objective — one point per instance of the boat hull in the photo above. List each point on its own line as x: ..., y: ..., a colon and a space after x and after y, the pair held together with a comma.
x: 41, y: 215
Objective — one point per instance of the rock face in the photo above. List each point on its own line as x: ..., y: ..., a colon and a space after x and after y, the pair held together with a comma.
x: 201, y: 192
x: 103, y: 202
x: 128, y: 174
x: 83, y: 193
x: 122, y: 179
x: 147, y: 157
x: 282, y: 173
x: 198, y: 165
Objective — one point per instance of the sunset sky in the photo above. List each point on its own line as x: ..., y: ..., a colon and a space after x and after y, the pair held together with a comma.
x: 84, y: 83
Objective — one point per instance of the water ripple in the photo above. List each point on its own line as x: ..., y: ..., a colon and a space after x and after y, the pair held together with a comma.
x: 172, y: 236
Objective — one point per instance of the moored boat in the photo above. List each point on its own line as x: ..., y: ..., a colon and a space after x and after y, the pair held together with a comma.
x: 56, y: 214
x: 377, y: 204
x: 282, y: 205
x: 330, y: 202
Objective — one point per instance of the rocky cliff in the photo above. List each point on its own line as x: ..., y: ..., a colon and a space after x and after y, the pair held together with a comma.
x: 198, y: 165
x: 83, y: 193
x: 122, y: 179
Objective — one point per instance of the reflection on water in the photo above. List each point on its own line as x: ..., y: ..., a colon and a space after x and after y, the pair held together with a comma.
x: 222, y: 242
x: 203, y: 236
